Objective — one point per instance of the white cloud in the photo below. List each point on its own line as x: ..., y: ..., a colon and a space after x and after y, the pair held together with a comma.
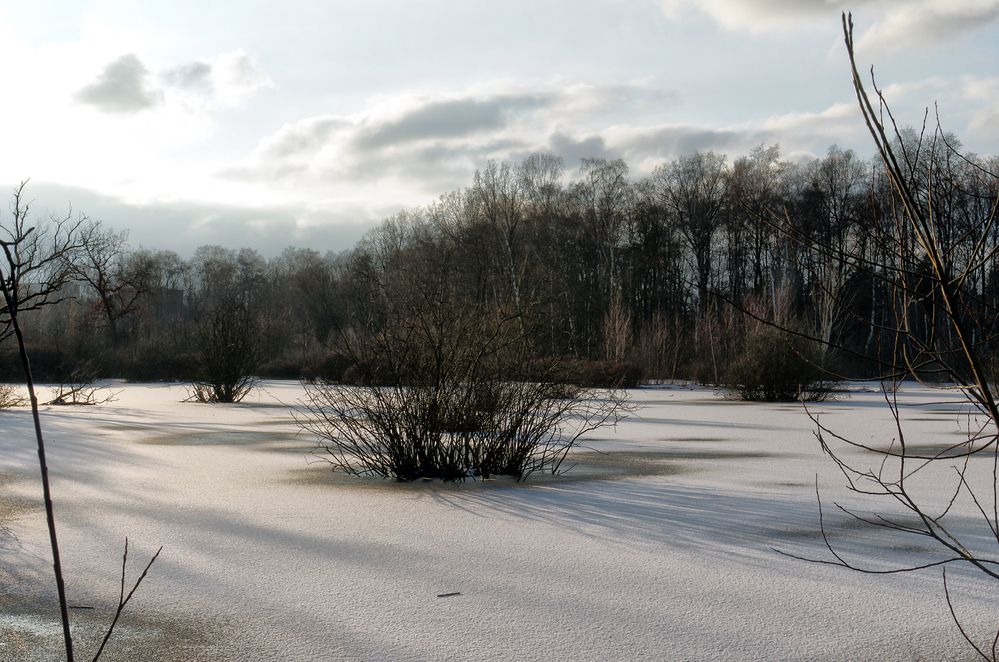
x: 367, y: 118
x: 123, y: 87
x: 836, y: 120
x: 982, y: 97
x: 193, y: 76
x: 225, y: 81
x: 430, y: 143
x: 182, y: 225
x: 644, y: 147
x: 421, y: 146
x: 927, y: 22
x: 127, y: 86
x: 236, y: 77
x: 764, y: 15
x: 895, y: 24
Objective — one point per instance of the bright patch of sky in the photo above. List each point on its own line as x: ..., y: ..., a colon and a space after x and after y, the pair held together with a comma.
x: 266, y: 124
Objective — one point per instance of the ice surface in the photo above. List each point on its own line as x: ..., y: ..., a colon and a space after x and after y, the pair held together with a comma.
x: 658, y: 545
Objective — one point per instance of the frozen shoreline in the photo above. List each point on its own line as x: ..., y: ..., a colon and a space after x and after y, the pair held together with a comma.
x: 661, y: 549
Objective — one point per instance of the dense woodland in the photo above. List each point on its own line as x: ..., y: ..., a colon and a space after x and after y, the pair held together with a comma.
x: 612, y: 273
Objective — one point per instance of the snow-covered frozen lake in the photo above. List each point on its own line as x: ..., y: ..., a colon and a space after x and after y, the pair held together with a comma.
x: 658, y: 545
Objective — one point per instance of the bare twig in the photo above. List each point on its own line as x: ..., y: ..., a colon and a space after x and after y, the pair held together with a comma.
x: 122, y: 598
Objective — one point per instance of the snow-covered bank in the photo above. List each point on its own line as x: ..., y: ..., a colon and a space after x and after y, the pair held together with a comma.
x: 657, y: 546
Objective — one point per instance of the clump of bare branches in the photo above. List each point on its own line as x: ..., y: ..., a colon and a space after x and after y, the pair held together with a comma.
x: 774, y: 366
x: 943, y: 331
x: 81, y: 389
x: 453, y: 397
x: 81, y: 394
x: 420, y: 432
x: 10, y: 396
x: 230, y: 353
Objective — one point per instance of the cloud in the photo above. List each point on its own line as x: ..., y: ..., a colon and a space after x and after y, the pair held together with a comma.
x: 765, y: 15
x: 226, y: 80
x: 236, y: 77
x: 322, y: 173
x: 182, y: 225
x: 435, y: 142
x: 982, y: 99
x: 333, y: 175
x: 835, y: 121
x: 581, y: 100
x: 573, y: 150
x: 927, y: 22
x: 664, y: 142
x: 123, y: 87
x: 644, y: 147
x: 300, y: 141
x: 127, y: 86
x: 194, y: 76
x: 410, y: 149
x: 894, y: 25
x: 448, y: 118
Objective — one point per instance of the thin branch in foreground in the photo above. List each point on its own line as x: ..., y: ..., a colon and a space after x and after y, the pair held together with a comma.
x: 957, y: 622
x: 122, y: 598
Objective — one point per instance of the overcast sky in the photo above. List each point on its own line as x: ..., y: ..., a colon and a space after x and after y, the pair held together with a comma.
x: 302, y: 122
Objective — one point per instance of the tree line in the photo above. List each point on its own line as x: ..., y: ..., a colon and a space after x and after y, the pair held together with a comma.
x: 611, y: 272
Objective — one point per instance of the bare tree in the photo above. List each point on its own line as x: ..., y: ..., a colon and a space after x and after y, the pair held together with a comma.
x: 10, y: 396
x: 837, y: 181
x: 80, y: 388
x: 118, y: 277
x: 616, y: 330
x: 497, y: 193
x: 693, y: 189
x: 752, y: 189
x: 38, y: 259
x: 605, y: 192
x: 34, y: 269
x: 37, y: 262
x: 942, y: 329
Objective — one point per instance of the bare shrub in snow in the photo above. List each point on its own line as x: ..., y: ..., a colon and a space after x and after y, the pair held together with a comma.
x: 10, y: 396
x: 81, y: 388
x: 773, y: 365
x: 83, y: 393
x: 452, y: 431
x: 230, y: 354
x: 777, y: 367
x: 451, y: 393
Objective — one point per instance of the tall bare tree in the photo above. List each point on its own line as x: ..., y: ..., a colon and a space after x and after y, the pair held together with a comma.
x: 114, y: 274
x: 693, y: 189
x: 34, y: 269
